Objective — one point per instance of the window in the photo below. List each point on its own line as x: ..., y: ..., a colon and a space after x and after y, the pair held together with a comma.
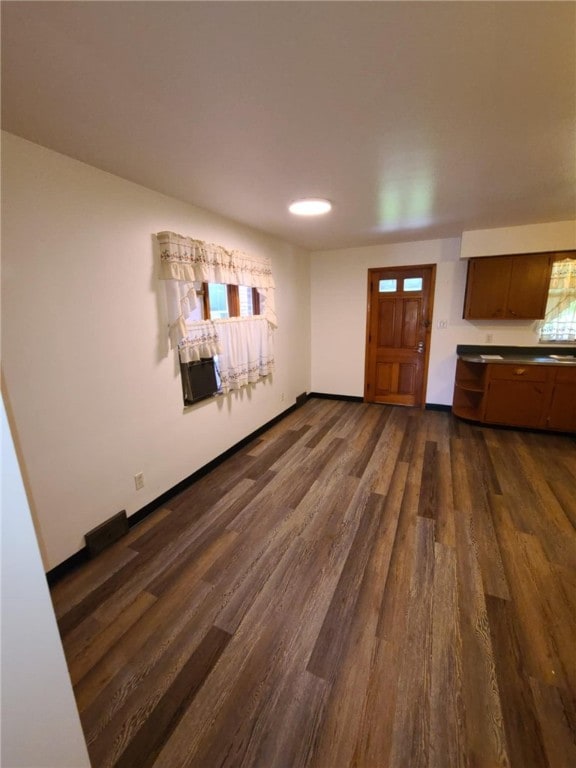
x: 220, y: 306
x: 201, y: 378
x: 559, y: 322
x: 247, y: 300
x: 221, y: 301
x: 217, y: 301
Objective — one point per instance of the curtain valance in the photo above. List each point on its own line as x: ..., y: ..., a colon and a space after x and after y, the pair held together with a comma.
x: 184, y: 258
x: 185, y: 261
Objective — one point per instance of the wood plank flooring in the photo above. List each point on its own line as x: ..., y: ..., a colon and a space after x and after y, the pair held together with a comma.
x: 363, y: 586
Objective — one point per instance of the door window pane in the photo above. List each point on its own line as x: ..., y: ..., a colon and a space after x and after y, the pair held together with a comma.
x: 412, y: 283
x: 218, y: 295
x: 387, y: 286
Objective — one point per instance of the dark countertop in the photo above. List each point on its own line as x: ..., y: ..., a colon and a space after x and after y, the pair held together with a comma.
x: 520, y: 359
x: 542, y: 355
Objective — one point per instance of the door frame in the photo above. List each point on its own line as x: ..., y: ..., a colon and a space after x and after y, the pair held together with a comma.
x: 427, y: 325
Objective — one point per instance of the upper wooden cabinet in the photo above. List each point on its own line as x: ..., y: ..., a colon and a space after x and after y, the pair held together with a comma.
x: 508, y: 287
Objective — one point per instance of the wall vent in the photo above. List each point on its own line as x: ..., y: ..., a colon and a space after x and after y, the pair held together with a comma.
x: 106, y: 533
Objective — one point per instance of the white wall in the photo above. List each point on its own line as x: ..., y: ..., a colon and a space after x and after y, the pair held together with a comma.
x: 339, y: 282
x: 529, y: 238
x: 96, y: 392
x: 40, y: 723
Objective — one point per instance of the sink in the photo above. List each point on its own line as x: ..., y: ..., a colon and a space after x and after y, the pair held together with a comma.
x: 560, y: 359
x: 543, y: 359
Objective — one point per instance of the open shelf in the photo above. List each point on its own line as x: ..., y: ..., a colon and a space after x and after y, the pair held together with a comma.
x: 470, y: 375
x: 470, y: 387
x: 467, y: 413
x: 469, y: 390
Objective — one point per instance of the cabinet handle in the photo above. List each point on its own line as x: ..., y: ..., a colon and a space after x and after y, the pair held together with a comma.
x: 519, y: 371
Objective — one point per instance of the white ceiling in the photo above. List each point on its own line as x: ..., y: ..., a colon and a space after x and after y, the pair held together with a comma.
x: 417, y: 119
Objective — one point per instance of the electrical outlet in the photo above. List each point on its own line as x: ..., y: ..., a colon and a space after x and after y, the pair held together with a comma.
x: 281, y: 397
x: 489, y: 338
x: 139, y: 480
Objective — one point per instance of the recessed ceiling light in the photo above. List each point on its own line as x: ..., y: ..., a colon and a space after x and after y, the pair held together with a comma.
x: 310, y: 206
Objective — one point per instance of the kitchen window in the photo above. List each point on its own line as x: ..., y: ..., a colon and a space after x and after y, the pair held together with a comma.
x: 559, y: 322
x: 221, y: 301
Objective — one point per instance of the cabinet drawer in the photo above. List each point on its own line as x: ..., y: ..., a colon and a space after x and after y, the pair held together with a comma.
x: 519, y: 372
x: 566, y: 375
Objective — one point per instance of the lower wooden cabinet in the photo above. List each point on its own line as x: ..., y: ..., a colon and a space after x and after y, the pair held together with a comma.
x: 562, y: 410
x: 516, y: 394
x: 538, y: 396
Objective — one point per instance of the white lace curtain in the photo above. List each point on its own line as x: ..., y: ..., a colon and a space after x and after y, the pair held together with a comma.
x: 559, y: 322
x: 244, y: 345
x: 247, y: 351
x: 201, y: 341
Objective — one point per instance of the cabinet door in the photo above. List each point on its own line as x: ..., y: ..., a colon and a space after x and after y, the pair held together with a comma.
x: 517, y: 403
x: 529, y: 285
x: 487, y: 287
x: 517, y: 395
x: 508, y: 287
x: 562, y: 412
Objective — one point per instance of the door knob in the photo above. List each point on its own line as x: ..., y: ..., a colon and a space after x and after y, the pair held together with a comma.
x: 420, y: 347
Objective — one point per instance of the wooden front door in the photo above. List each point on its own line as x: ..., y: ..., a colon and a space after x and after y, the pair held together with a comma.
x: 400, y: 303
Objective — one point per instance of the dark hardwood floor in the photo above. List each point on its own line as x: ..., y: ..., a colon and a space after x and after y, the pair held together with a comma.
x: 362, y: 586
